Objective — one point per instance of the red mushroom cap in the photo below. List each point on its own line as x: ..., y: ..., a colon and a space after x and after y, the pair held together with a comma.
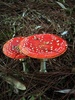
x: 43, y: 46
x: 11, y: 49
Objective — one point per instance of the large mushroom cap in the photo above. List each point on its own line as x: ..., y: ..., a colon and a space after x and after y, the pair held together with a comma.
x: 11, y: 49
x: 43, y: 46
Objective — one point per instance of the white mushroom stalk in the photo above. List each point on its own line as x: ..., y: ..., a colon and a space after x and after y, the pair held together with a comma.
x: 43, y: 65
x: 24, y: 65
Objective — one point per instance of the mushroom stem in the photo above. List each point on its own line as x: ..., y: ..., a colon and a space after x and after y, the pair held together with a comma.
x: 24, y: 65
x: 43, y: 65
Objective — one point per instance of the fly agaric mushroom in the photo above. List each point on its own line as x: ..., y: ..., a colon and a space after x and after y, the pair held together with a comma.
x: 43, y: 46
x: 11, y: 49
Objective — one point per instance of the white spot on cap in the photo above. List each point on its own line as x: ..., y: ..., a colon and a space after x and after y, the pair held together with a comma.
x: 35, y: 38
x: 58, y: 44
x: 37, y: 49
x: 42, y: 36
x: 51, y: 48
x: 57, y: 41
x: 32, y: 48
x: 17, y: 40
x: 23, y: 46
x: 46, y: 50
x: 52, y: 40
x: 47, y: 42
x: 41, y: 40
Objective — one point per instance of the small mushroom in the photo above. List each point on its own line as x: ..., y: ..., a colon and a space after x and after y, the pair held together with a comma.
x: 43, y: 46
x: 11, y: 49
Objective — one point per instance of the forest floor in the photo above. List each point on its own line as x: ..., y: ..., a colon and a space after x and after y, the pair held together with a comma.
x: 28, y: 17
